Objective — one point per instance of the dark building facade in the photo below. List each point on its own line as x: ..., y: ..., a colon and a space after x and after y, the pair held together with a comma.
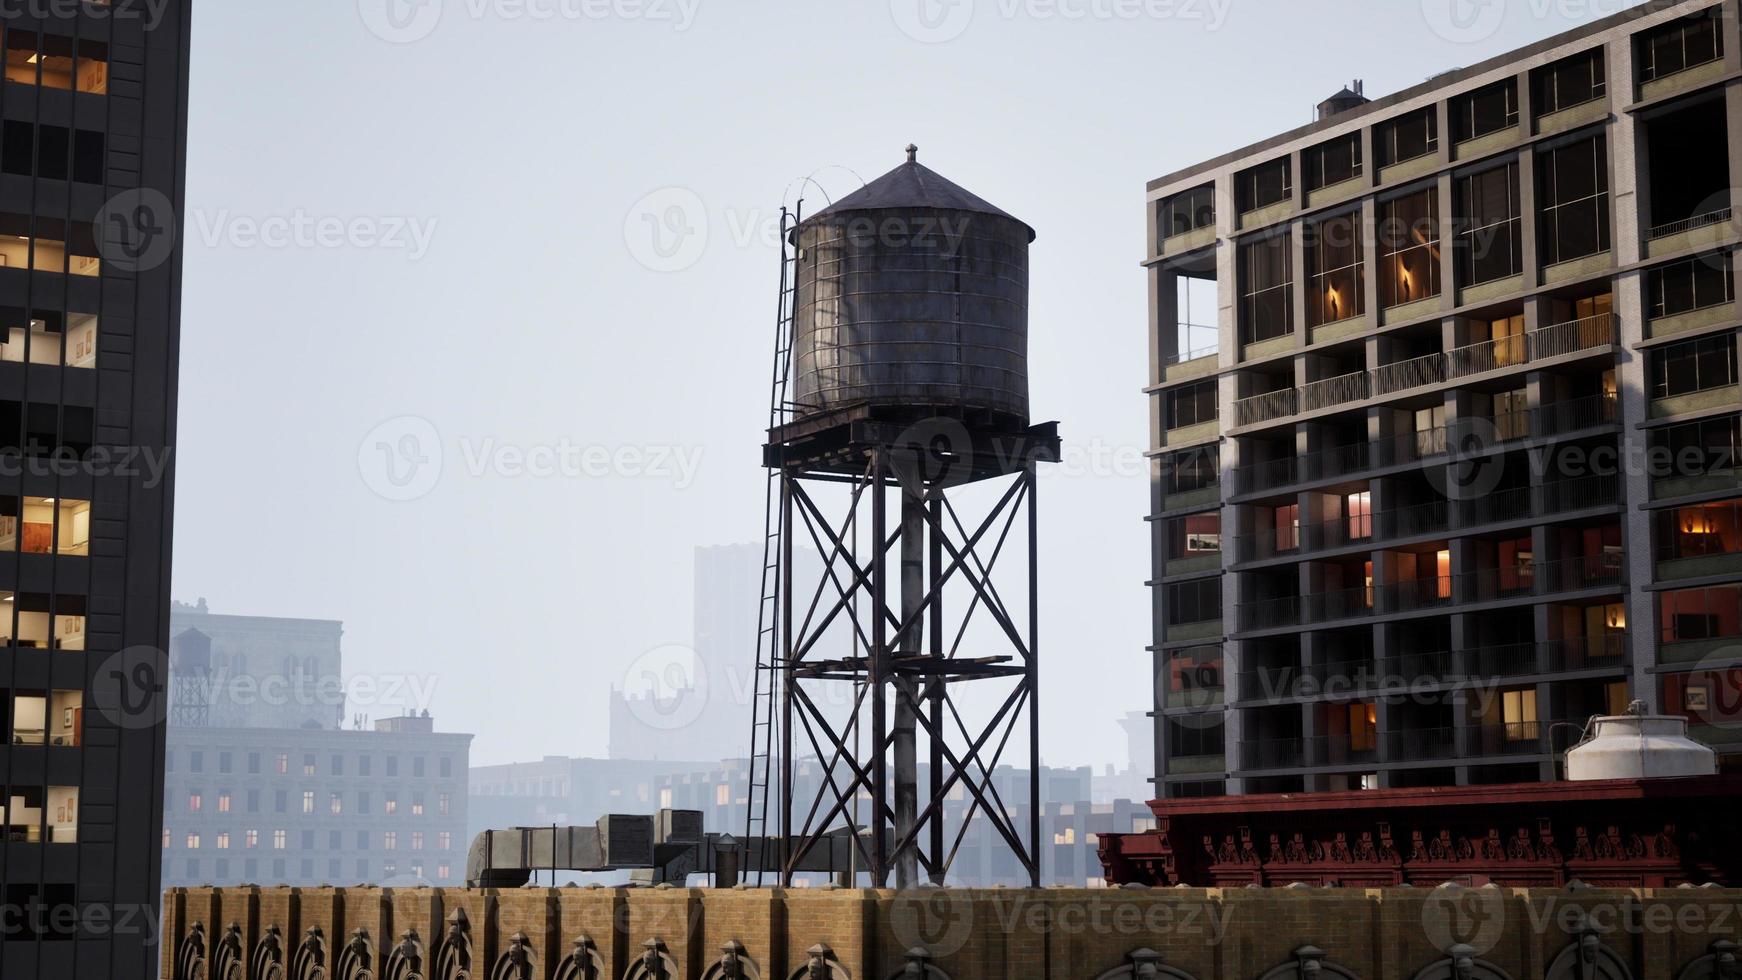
x: 93, y: 121
x: 1445, y: 420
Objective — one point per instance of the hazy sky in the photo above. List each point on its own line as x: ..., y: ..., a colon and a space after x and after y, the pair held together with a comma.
x: 431, y: 223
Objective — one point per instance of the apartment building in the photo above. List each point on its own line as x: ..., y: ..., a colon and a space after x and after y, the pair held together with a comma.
x: 1445, y: 419
x: 308, y: 808
x: 93, y: 121
x: 273, y: 777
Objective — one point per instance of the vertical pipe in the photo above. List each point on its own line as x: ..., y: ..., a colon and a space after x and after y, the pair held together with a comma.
x: 782, y: 673
x: 904, y: 739
x: 879, y: 655
x: 935, y: 687
x: 1033, y: 673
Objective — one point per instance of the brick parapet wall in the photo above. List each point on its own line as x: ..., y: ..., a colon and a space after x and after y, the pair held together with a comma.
x: 966, y: 934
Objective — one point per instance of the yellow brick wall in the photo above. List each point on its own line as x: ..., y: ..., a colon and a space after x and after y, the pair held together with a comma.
x: 988, y: 934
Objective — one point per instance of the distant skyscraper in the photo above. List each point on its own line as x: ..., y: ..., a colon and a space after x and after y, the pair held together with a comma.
x: 690, y: 703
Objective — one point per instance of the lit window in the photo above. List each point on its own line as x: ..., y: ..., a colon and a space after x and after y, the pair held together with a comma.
x: 1443, y: 564
x: 251, y: 838
x: 337, y: 804
x: 193, y: 842
x: 417, y: 840
x: 442, y: 872
x: 1518, y: 714
x: 445, y: 841
x: 278, y: 840
x: 195, y: 803
x: 417, y: 805
x: 391, y: 806
x: 166, y: 838
x: 223, y: 842
x: 390, y: 840
x: 223, y: 803
x: 308, y: 801
x: 54, y: 718
x: 308, y: 765
x: 52, y: 61
x: 283, y: 765
x: 1360, y: 510
x: 45, y: 525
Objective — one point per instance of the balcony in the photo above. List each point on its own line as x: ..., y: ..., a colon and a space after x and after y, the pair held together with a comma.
x: 1334, y: 391
x: 1558, y: 497
x: 1401, y: 522
x: 1439, y: 668
x: 1406, y: 745
x: 1558, y: 340
x: 1415, y: 373
x: 1191, y: 363
x: 1700, y: 231
x: 1266, y: 407
x: 1561, y: 418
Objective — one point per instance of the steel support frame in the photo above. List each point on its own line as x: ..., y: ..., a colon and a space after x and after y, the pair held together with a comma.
x: 897, y: 670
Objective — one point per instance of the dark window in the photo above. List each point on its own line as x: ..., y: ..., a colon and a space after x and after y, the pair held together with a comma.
x: 1409, y: 248
x: 1698, y: 448
x: 1193, y: 469
x: 1575, y: 200
x: 1336, y: 274
x: 1700, y: 282
x: 1188, y: 211
x: 1191, y: 738
x: 1262, y: 186
x: 1407, y: 137
x: 44, y: 912
x: 1484, y: 111
x: 18, y: 148
x: 1192, y: 405
x: 1198, y: 601
x: 1332, y: 163
x: 87, y: 156
x: 1684, y: 44
x: 1572, y: 82
x: 1267, y: 290
x: 54, y: 147
x: 1489, y: 228
x: 1693, y: 366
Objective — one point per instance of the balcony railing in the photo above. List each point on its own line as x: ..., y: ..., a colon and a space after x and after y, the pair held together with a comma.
x: 1589, y: 412
x: 1690, y: 224
x: 1557, y: 497
x: 1406, y: 745
x: 1490, y: 355
x: 1263, y: 408
x: 1404, y: 671
x: 1400, y: 522
x: 1415, y: 373
x: 1334, y: 391
x: 1465, y: 435
x: 1557, y: 340
x: 1191, y: 355
x: 1572, y: 337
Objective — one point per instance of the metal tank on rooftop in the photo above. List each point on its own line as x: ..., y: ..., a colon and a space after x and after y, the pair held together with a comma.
x: 1639, y: 746
x: 912, y: 293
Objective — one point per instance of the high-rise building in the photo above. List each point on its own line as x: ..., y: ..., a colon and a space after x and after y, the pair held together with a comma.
x: 1445, y: 420
x: 257, y: 671
x: 94, y: 108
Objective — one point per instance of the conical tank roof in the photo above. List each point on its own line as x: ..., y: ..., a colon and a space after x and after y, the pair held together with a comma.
x: 914, y: 185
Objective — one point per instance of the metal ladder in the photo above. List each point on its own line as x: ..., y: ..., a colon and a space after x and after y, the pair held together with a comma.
x: 763, y: 727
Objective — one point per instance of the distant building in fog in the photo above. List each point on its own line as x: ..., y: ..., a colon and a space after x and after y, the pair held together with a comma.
x: 266, y: 784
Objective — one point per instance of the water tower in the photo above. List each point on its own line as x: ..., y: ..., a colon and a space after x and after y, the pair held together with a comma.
x: 900, y: 448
